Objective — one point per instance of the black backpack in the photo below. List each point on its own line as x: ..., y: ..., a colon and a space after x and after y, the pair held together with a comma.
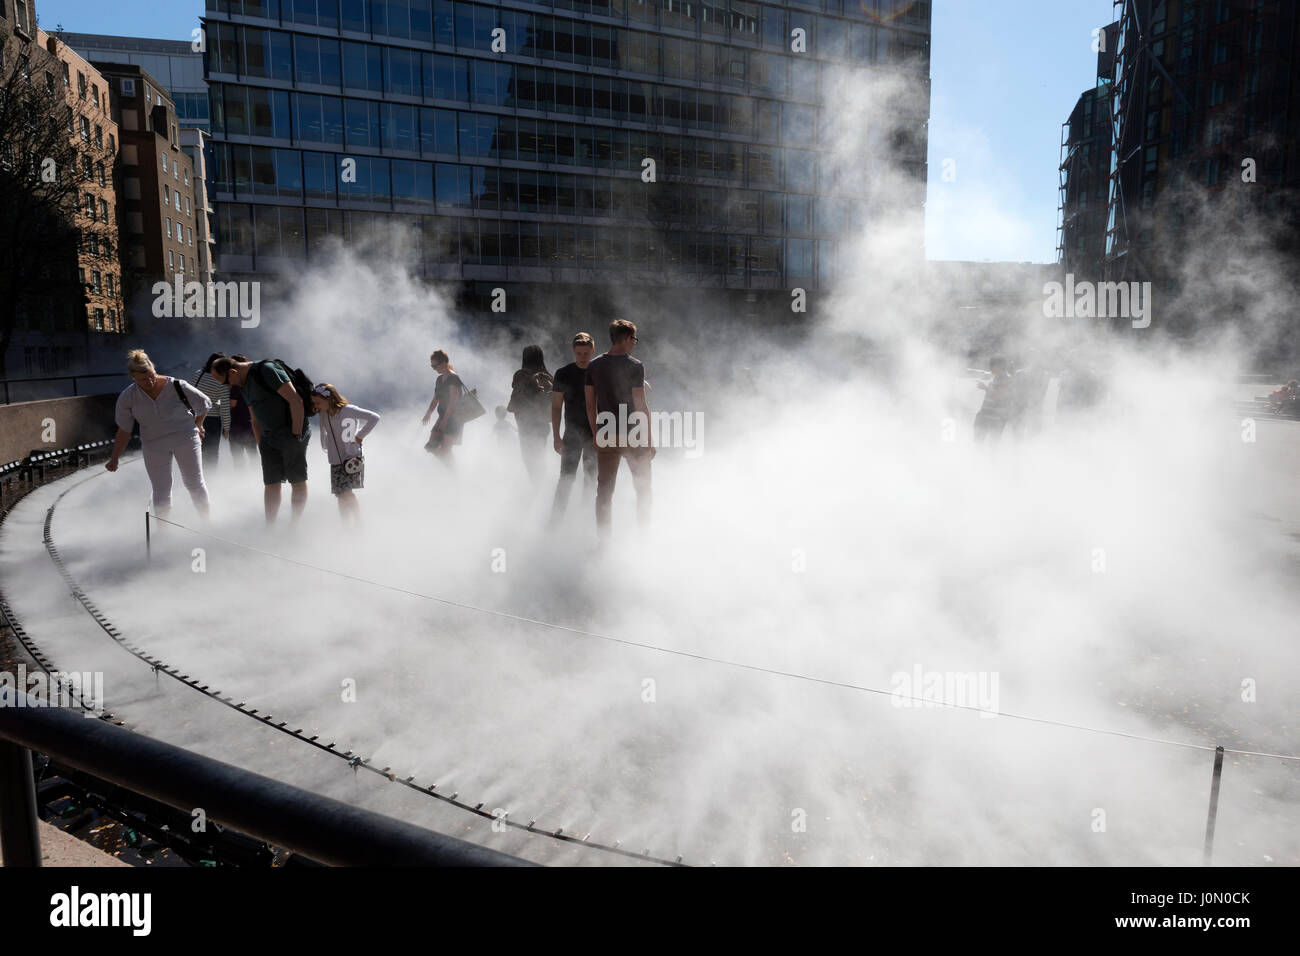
x: 301, y: 384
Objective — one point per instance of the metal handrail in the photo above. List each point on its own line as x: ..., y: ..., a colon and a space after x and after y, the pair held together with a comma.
x: 317, y: 827
x: 54, y: 378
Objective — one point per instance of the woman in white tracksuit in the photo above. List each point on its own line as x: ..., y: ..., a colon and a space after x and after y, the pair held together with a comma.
x: 169, y: 412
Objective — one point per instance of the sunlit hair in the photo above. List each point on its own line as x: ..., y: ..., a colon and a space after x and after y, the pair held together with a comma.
x: 620, y: 330
x: 438, y: 357
x: 137, y: 362
x: 333, y: 399
x: 583, y: 338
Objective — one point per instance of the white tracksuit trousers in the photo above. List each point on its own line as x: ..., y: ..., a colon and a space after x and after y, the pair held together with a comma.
x: 187, y: 449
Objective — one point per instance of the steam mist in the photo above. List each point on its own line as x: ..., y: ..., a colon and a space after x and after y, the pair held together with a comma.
x: 1113, y: 570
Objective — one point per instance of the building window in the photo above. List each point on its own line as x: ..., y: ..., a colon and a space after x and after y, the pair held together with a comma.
x: 167, y: 195
x: 81, y: 86
x: 49, y: 82
x: 111, y: 284
x: 21, y: 20
x: 99, y: 136
x: 169, y: 227
x: 189, y: 236
x: 182, y: 262
x: 85, y: 130
x: 96, y: 282
x: 176, y: 200
x: 103, y: 210
x: 112, y: 144
x: 164, y: 162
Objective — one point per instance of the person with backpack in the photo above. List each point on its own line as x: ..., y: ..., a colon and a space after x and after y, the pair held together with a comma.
x: 342, y: 427
x: 217, y: 424
x: 280, y: 399
x: 168, y: 412
x: 530, y: 400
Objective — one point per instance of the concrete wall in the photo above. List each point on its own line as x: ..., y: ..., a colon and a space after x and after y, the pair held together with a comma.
x: 78, y: 420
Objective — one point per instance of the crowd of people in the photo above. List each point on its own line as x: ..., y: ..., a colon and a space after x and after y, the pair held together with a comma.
x: 267, y: 405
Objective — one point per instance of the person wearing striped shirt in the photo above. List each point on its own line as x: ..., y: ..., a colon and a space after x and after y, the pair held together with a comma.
x: 218, y: 394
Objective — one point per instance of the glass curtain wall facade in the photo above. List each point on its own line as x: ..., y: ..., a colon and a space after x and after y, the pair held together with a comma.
x: 508, y: 141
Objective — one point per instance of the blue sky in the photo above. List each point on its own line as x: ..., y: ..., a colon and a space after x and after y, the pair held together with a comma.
x: 1006, y: 74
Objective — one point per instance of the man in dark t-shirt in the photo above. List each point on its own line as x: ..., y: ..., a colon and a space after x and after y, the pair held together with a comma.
x: 619, y: 419
x: 569, y: 401
x: 279, y: 425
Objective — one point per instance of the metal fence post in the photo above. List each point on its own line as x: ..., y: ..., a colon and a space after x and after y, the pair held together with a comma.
x: 20, y: 840
x: 1214, y: 804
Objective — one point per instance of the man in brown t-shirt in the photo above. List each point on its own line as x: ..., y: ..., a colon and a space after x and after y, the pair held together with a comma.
x: 615, y: 399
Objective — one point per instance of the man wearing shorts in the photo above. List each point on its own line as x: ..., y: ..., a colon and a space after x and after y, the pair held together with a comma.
x: 279, y: 425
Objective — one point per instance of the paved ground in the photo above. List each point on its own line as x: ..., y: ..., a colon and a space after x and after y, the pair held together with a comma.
x: 62, y: 849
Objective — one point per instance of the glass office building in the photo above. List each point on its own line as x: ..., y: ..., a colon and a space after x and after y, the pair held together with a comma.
x: 506, y: 143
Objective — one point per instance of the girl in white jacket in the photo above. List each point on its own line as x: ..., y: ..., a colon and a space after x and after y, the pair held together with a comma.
x: 342, y: 428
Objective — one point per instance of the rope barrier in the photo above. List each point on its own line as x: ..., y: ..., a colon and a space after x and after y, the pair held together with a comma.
x: 715, y: 660
x: 353, y: 760
x: 356, y: 762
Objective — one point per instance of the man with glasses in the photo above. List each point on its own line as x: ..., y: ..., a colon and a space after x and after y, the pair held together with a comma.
x: 620, y: 421
x: 569, y: 404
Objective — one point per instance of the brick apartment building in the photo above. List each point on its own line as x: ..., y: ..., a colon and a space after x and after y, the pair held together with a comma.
x: 160, y: 234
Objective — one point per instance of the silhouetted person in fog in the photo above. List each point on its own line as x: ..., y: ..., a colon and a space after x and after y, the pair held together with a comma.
x: 217, y: 423
x: 569, y: 402
x: 530, y: 400
x: 996, y: 410
x: 1082, y: 388
x: 504, y: 432
x: 615, y: 390
x: 243, y: 443
x: 1029, y: 388
x: 447, y: 391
